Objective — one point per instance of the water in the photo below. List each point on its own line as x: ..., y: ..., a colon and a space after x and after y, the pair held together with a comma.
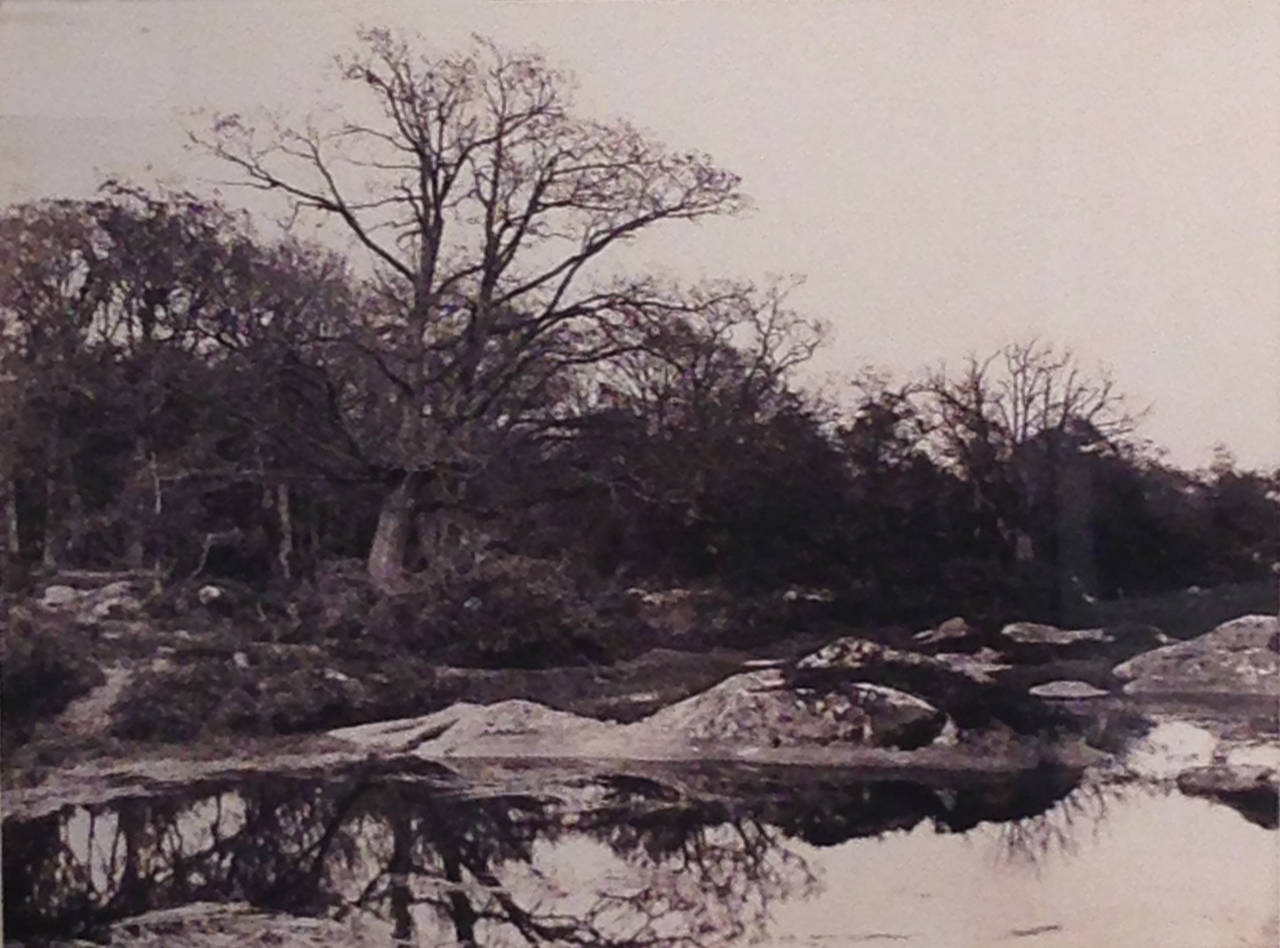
x: 699, y: 856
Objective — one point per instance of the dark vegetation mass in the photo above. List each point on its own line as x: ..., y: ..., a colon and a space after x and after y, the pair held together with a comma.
x: 479, y: 438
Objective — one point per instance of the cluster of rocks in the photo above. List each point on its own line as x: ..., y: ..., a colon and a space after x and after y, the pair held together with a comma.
x: 857, y: 693
x: 114, y: 600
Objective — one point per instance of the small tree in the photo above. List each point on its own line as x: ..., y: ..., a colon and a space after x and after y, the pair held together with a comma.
x: 487, y: 208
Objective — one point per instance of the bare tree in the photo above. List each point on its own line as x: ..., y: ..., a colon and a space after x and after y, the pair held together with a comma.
x: 487, y: 208
x: 1013, y: 426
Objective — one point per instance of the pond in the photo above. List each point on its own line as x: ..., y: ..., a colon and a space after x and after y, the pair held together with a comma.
x: 519, y: 853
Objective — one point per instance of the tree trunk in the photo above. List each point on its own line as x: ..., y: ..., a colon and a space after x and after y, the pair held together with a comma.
x: 49, y: 541
x: 13, y: 540
x: 284, y: 554
x: 391, y: 539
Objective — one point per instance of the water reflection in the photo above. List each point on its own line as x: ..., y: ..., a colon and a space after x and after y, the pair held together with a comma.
x: 696, y: 858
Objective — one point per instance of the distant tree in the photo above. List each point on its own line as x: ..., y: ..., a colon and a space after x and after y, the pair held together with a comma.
x: 487, y: 209
x: 150, y: 348
x: 1018, y: 428
x: 697, y: 455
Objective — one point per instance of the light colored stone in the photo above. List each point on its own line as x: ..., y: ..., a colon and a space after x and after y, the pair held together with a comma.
x: 983, y: 666
x: 122, y: 606
x: 1035, y: 633
x: 1067, y: 690
x: 59, y: 597
x: 208, y: 595
x: 1237, y: 658
x: 1254, y: 754
x: 954, y: 629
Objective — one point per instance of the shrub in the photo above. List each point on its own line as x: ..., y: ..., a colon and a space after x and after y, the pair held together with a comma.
x: 510, y: 611
x: 45, y: 663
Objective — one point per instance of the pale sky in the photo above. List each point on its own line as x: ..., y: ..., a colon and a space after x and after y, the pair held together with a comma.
x: 948, y: 175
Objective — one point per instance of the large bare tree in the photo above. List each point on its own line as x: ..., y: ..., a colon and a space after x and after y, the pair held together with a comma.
x: 488, y: 208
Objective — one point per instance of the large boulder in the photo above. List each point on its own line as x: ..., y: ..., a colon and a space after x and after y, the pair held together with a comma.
x: 1239, y: 658
x: 758, y: 709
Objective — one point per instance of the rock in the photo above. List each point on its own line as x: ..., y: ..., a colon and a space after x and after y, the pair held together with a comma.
x: 949, y: 736
x: 759, y: 709
x: 962, y: 686
x: 854, y: 653
x: 209, y: 595
x: 1067, y: 690
x: 955, y: 633
x: 1254, y: 754
x: 122, y: 606
x: 1252, y: 791
x: 1170, y: 749
x: 59, y: 597
x: 1236, y: 658
x: 983, y: 666
x: 1035, y: 633
x: 115, y: 590
x: 240, y: 660
x: 1036, y: 642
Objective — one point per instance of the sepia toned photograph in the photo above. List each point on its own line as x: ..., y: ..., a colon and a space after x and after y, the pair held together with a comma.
x: 640, y: 474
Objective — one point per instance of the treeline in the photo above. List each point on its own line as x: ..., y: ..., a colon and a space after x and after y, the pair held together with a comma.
x: 180, y: 394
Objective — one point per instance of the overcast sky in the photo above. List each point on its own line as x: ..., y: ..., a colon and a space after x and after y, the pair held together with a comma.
x: 948, y: 175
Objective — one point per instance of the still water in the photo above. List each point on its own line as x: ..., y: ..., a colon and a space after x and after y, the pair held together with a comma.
x: 697, y: 856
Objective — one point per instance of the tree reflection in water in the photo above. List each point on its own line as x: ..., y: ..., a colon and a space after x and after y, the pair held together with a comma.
x: 616, y: 861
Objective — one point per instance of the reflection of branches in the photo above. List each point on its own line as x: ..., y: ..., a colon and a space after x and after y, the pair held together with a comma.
x: 698, y: 866
x: 681, y: 855
x: 1061, y: 828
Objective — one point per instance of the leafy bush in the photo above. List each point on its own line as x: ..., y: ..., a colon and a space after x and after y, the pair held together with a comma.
x: 510, y: 611
x: 45, y: 664
x: 277, y: 691
x: 334, y: 605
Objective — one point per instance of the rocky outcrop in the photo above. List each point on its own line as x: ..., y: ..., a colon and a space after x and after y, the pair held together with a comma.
x: 748, y: 711
x: 758, y: 708
x: 1237, y: 658
x: 963, y: 687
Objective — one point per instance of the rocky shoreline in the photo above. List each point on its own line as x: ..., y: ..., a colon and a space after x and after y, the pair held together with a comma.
x: 852, y: 703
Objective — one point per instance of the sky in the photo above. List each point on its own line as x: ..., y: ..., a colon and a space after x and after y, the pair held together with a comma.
x: 947, y: 176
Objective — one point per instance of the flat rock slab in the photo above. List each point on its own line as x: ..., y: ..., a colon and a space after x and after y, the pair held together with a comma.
x: 1035, y: 633
x: 1067, y: 690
